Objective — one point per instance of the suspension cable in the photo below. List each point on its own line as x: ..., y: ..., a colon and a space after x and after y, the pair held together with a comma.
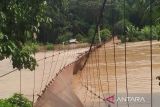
x: 126, y: 73
x: 34, y: 84
x: 151, y: 51
x: 114, y: 51
x: 108, y: 85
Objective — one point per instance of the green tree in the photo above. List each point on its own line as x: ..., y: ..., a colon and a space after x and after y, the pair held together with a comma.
x: 17, y: 100
x: 20, y: 20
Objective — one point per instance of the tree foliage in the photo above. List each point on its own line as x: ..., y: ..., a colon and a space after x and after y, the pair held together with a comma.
x: 57, y: 21
x: 20, y: 20
x: 17, y: 100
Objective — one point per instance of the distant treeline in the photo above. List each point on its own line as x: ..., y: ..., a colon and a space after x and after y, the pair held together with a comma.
x: 77, y: 19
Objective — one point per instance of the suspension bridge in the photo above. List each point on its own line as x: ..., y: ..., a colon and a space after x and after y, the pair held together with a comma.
x: 109, y: 74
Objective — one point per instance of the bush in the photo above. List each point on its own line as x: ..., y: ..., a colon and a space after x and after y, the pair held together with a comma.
x: 17, y: 100
x: 31, y: 47
x: 158, y: 31
x: 5, y: 103
x: 65, y: 37
x: 80, y: 38
x: 136, y: 34
x: 91, y: 33
x: 49, y: 46
x: 119, y: 27
x: 146, y: 32
x: 133, y: 34
x: 105, y: 34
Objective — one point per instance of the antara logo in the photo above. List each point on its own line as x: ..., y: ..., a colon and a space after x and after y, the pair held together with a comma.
x: 111, y: 99
x: 131, y: 99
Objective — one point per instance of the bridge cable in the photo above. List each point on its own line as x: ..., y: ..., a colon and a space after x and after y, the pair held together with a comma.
x: 151, y: 50
x: 34, y: 84
x: 114, y: 51
x: 96, y: 29
x: 107, y: 73
x: 126, y: 73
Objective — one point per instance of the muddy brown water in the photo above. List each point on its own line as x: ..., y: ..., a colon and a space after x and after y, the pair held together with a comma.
x: 94, y: 75
x: 10, y: 84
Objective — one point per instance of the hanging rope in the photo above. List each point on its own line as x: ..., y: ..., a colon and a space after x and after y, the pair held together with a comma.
x: 114, y: 51
x: 108, y: 85
x: 126, y: 73
x: 34, y: 84
x: 151, y: 52
x: 20, y: 87
x: 50, y: 70
x: 44, y: 67
x: 99, y: 76
x: 55, y: 65
x: 96, y: 29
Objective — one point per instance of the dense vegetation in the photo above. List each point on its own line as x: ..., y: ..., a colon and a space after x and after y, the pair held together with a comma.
x: 77, y: 19
x: 17, y: 100
x: 19, y: 21
x: 57, y: 21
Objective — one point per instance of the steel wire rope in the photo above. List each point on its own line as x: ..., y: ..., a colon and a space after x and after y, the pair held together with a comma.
x: 43, y: 71
x: 98, y: 22
x: 55, y: 66
x: 93, y: 76
x: 63, y: 80
x: 3, y: 75
x: 83, y: 85
x: 8, y: 73
x: 20, y: 87
x: 114, y: 52
x: 89, y: 82
x: 34, y: 76
x: 62, y: 62
x: 95, y: 88
x: 99, y: 104
x: 99, y: 76
x: 90, y: 77
x: 50, y: 70
x: 96, y: 29
x: 151, y: 48
x: 86, y: 91
x: 66, y: 85
x: 69, y: 54
x: 108, y: 85
x: 44, y: 66
x: 126, y: 73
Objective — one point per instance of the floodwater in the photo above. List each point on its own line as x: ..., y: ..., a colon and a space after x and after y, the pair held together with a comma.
x: 10, y: 84
x: 105, y: 75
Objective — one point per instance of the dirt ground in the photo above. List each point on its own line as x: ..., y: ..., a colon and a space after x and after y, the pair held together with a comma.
x: 10, y: 84
x: 94, y: 75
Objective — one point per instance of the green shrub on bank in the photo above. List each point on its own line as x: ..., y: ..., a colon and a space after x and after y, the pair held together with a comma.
x: 17, y: 100
x: 49, y: 46
x: 134, y: 34
x: 80, y: 38
x: 105, y: 34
